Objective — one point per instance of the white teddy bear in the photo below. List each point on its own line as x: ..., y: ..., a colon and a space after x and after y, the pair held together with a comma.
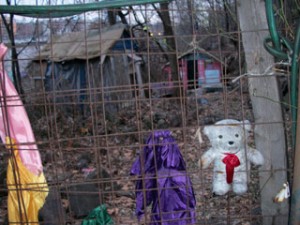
x: 230, y: 154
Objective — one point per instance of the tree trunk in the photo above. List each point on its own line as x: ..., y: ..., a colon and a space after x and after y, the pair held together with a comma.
x: 191, y: 15
x: 269, y: 129
x: 225, y: 5
x: 112, y: 16
x: 171, y: 45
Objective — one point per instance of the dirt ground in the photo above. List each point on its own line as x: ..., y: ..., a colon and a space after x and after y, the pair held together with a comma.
x: 74, y: 148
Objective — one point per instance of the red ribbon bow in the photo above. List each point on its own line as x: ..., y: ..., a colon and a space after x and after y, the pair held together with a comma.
x: 231, y: 161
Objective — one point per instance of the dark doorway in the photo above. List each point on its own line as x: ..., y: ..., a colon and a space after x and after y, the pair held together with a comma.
x: 192, y: 74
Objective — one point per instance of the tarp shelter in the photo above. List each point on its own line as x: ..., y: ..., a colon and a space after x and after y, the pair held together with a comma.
x: 100, y: 61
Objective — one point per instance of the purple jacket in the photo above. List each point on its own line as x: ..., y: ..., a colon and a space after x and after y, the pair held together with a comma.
x: 163, y: 182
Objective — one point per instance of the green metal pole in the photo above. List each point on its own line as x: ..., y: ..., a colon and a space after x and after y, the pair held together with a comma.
x: 272, y: 25
x: 294, y: 80
x: 295, y: 202
x: 277, y: 52
x: 53, y: 11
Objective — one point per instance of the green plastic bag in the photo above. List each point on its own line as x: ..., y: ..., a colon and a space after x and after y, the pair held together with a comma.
x: 98, y: 216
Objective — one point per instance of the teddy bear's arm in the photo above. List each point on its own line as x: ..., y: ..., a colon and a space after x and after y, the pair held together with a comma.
x: 207, y: 158
x: 255, y: 156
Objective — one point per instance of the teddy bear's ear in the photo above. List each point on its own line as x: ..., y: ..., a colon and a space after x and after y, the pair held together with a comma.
x: 246, y: 124
x: 207, y: 130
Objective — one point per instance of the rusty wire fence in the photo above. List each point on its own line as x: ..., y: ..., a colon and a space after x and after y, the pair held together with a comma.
x: 100, y: 94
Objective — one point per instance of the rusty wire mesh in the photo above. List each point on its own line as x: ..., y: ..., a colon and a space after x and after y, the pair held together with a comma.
x: 91, y: 128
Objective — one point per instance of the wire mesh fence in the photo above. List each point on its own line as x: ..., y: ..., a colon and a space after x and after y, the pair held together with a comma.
x: 115, y: 98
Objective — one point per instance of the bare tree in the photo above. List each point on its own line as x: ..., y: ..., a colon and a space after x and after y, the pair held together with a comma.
x: 9, y: 25
x: 163, y: 13
x: 190, y: 5
x: 112, y: 15
x: 170, y: 50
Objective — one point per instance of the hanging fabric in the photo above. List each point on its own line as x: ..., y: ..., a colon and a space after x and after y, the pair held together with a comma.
x: 27, y: 186
x: 163, y: 182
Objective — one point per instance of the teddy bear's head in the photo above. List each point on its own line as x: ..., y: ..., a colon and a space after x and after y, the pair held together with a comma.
x: 228, y: 135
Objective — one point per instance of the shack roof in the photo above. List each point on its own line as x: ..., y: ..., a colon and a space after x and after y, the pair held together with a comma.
x: 199, y: 52
x: 81, y: 45
x: 196, y: 53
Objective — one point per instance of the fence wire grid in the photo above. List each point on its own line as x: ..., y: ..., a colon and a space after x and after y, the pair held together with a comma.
x: 115, y: 99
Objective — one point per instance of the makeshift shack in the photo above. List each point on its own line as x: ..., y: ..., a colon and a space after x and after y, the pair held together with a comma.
x: 92, y: 65
x: 197, y: 68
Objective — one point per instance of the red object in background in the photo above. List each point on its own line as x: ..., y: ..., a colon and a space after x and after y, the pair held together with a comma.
x: 195, y: 73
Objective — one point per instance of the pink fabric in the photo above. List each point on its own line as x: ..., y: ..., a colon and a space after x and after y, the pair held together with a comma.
x: 14, y: 121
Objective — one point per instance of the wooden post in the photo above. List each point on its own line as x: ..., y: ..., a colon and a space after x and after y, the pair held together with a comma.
x: 269, y: 129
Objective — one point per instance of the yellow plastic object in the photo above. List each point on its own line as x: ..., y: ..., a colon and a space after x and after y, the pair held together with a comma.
x: 26, y: 191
